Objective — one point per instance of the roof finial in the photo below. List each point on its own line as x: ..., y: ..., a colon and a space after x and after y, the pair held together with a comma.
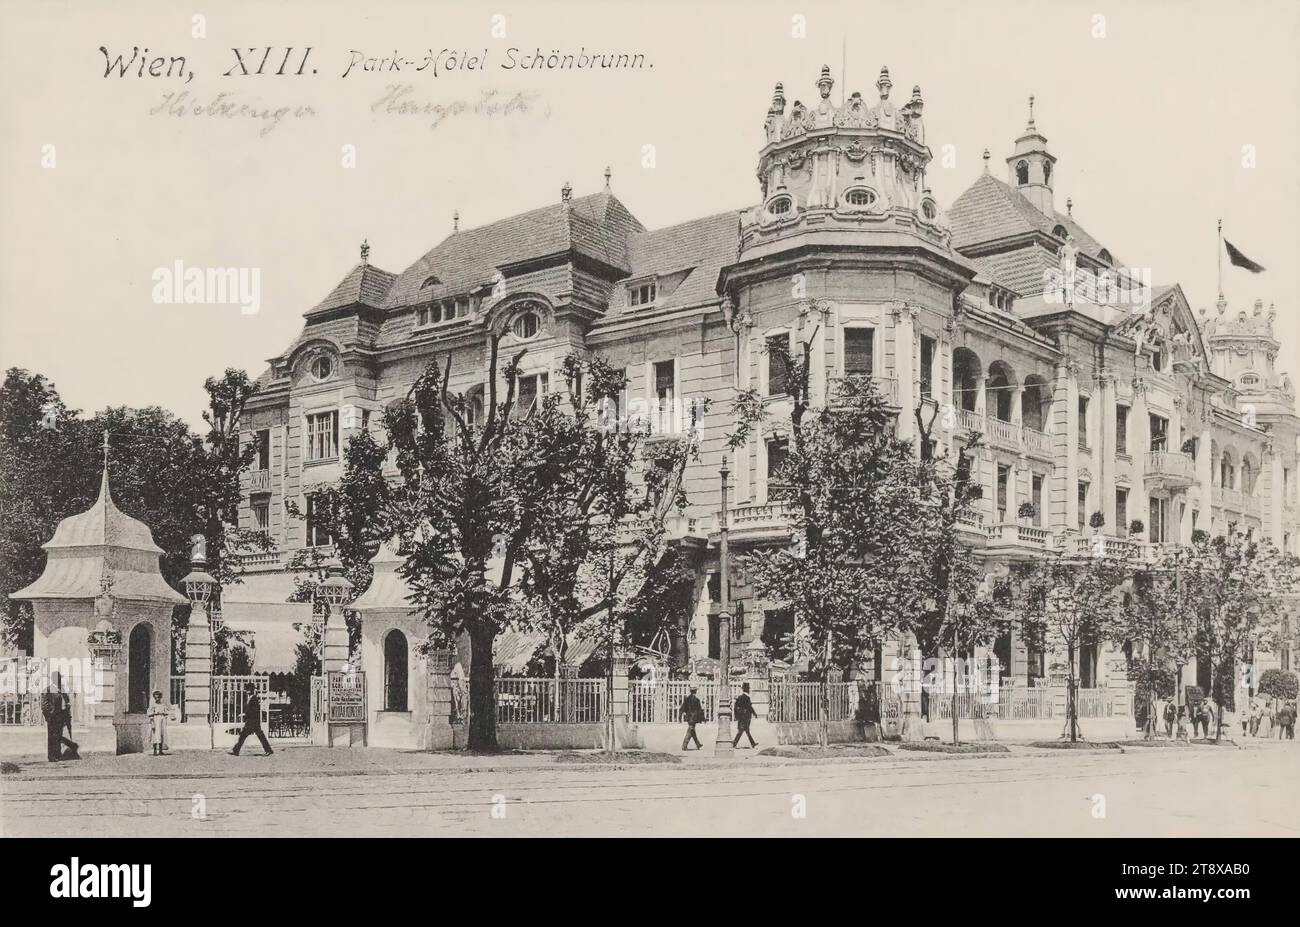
x: 455, y: 220
x: 1069, y: 206
x: 365, y: 251
x: 608, y: 175
x: 1031, y: 111
x: 566, y: 192
x: 103, y: 481
x: 883, y: 83
x: 825, y: 82
x: 986, y: 160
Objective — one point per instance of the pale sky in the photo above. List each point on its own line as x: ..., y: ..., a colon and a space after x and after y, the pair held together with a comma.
x: 1148, y: 124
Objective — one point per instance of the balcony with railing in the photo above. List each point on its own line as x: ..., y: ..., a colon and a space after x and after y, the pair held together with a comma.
x: 259, y: 480
x: 1007, y: 435
x: 754, y: 521
x: 1017, y: 541
x: 1170, y: 469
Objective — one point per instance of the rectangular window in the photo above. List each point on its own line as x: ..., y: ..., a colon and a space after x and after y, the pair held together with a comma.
x: 778, y: 452
x: 531, y: 388
x: 928, y: 350
x: 263, y: 439
x: 1159, y: 433
x: 1121, y: 510
x: 665, y: 391
x: 1159, y: 510
x: 641, y: 294
x: 1004, y: 479
x: 859, y: 345
x: 1083, y: 504
x: 778, y: 365
x: 1121, y: 429
x: 365, y: 419
x: 1037, y: 494
x: 323, y: 436
x: 1083, y: 421
x: 262, y: 516
x: 317, y: 536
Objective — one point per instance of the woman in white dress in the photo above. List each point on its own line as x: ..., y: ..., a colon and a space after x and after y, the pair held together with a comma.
x: 158, y: 713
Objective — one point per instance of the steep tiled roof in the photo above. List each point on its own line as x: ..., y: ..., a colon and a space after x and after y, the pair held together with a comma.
x: 365, y: 284
x: 700, y: 248
x: 990, y: 209
x: 1020, y: 271
x: 596, y: 226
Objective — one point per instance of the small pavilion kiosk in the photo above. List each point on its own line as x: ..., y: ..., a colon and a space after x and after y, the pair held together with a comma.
x: 102, y: 584
x: 408, y: 696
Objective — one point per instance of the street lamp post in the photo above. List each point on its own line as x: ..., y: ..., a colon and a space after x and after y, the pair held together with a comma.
x: 722, y: 746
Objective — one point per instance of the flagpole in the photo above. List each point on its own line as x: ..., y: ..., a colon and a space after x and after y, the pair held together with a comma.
x: 1220, y: 257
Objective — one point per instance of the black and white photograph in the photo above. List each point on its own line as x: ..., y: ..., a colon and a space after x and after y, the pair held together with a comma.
x: 572, y: 420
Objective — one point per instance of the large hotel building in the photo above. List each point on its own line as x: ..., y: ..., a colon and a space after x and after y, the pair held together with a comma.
x: 1097, y: 390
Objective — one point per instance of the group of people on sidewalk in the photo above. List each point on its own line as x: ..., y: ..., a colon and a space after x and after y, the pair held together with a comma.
x: 1259, y: 719
x: 692, y: 713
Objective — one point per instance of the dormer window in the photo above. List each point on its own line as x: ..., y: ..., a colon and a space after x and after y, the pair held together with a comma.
x: 1060, y: 232
x: 641, y: 294
x: 1104, y: 256
x: 1250, y: 380
x: 859, y: 197
x: 322, y: 368
x: 431, y: 280
x: 1022, y: 172
x: 929, y: 210
x: 526, y: 325
x: 779, y: 205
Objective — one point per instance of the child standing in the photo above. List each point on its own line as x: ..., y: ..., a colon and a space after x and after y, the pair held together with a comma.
x: 158, y: 713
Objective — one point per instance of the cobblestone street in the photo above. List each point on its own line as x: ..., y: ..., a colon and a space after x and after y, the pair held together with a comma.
x: 304, y: 791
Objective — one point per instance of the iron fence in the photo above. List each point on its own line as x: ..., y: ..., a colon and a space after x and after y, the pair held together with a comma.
x: 534, y: 700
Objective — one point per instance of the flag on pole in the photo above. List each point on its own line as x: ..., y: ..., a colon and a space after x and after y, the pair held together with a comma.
x: 1237, y: 259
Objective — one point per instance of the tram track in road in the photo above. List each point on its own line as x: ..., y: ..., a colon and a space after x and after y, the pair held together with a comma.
x: 547, y: 788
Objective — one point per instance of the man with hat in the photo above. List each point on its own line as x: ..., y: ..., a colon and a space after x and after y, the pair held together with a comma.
x: 692, y: 714
x: 744, y: 713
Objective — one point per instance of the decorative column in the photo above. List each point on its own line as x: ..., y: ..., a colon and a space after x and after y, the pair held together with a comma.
x: 1205, y: 468
x: 1105, y: 455
x: 1063, y: 497
x: 904, y: 349
x: 1140, y: 429
x: 1273, y: 511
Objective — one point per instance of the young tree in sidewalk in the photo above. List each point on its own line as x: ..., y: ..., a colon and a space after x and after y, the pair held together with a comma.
x: 1237, y: 586
x: 1067, y: 602
x: 1159, y: 623
x: 860, y: 505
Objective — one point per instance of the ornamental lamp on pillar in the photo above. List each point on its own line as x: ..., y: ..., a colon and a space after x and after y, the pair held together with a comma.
x: 200, y: 588
x: 334, y: 590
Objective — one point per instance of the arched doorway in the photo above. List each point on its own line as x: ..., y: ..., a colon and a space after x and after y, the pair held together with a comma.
x: 139, y: 668
x: 395, y: 671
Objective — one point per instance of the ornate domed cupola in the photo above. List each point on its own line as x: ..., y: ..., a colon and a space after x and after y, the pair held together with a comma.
x: 850, y: 167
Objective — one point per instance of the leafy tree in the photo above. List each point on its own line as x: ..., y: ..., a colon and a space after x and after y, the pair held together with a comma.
x: 478, y: 496
x: 1159, y: 624
x: 1277, y: 683
x: 1067, y: 602
x: 861, y: 506
x: 1237, y: 586
x: 177, y: 483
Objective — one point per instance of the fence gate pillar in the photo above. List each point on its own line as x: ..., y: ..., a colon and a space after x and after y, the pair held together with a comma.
x: 198, y: 666
x: 619, y: 697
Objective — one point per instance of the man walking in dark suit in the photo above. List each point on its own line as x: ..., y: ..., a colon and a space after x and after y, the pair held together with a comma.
x: 252, y: 722
x: 744, y: 712
x: 56, y: 708
x: 692, y: 714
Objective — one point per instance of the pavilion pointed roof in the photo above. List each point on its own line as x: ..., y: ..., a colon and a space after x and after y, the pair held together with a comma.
x: 101, y: 550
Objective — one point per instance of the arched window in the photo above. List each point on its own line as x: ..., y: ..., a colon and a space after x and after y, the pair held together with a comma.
x: 431, y: 280
x: 526, y: 324
x: 1047, y: 173
x: 322, y: 367
x: 1022, y: 172
x: 395, y: 671
x: 139, y: 669
x: 860, y: 197
x: 929, y: 210
x: 1059, y: 232
x: 779, y: 206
